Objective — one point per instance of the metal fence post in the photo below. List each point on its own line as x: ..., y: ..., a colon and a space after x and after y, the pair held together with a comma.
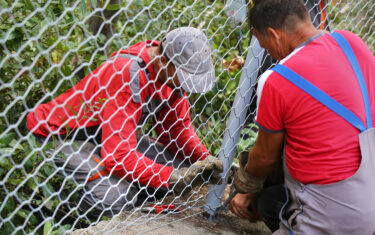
x: 235, y: 122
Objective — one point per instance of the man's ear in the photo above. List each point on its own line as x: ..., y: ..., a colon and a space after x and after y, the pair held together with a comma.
x: 273, y: 34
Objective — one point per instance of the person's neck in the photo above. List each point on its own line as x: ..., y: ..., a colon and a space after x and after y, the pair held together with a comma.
x: 303, y: 32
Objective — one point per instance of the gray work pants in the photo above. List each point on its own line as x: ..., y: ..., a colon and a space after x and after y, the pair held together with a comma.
x: 108, y: 195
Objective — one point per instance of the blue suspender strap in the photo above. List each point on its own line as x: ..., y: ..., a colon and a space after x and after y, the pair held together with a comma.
x: 319, y: 95
x: 343, y: 43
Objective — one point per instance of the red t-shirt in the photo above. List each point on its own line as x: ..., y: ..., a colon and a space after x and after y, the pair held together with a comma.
x: 321, y: 147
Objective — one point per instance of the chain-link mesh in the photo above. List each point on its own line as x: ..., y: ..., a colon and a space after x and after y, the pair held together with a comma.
x: 91, y: 156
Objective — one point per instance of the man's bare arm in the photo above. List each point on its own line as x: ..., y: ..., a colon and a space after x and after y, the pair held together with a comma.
x: 266, y: 153
x: 263, y: 158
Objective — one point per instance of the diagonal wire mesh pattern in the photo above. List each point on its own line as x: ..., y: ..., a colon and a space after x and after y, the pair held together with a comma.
x: 87, y: 132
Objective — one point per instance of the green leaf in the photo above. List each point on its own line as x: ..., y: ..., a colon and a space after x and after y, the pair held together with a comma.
x: 61, y: 118
x: 9, y: 207
x: 94, y: 3
x: 31, y: 183
x: 4, y: 4
x: 48, y: 146
x: 71, y: 109
x: 63, y: 229
x: 83, y: 7
x: 75, y: 145
x: 50, y: 14
x: 83, y: 106
x: 66, y: 70
x: 32, y: 220
x: 29, y: 5
x: 33, y: 141
x: 67, y: 129
x: 48, y: 170
x: 113, y: 7
x: 23, y: 213
x: 28, y: 165
x: 8, y: 228
x: 54, y: 139
x: 6, y: 150
x: 49, y: 205
x: 47, y: 190
x: 47, y: 227
x: 22, y: 196
x: 14, y: 181
x: 5, y: 163
x: 6, y: 139
x: 14, y: 143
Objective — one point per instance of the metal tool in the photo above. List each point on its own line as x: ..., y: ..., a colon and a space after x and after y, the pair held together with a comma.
x: 170, y: 208
x: 224, y: 206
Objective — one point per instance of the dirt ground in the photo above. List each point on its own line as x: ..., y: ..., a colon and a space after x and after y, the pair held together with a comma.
x: 189, y: 220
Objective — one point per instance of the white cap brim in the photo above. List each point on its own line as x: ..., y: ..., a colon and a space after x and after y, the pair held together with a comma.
x: 196, y: 83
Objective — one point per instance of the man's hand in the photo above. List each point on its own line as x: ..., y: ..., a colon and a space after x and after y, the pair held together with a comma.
x: 243, y: 181
x: 244, y: 206
x: 204, y: 171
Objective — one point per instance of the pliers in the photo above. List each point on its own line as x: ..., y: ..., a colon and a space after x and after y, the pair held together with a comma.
x: 161, y: 209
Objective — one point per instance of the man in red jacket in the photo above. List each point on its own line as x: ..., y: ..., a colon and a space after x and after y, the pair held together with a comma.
x: 119, y: 166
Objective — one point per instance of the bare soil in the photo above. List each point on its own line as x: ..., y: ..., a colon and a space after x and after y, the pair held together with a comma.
x: 188, y: 221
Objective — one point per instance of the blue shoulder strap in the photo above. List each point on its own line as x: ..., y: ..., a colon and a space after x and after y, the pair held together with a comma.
x: 358, y: 72
x: 325, y: 99
x: 319, y: 95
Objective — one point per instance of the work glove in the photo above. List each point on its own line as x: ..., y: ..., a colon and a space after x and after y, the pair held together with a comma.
x: 243, y: 181
x: 204, y: 171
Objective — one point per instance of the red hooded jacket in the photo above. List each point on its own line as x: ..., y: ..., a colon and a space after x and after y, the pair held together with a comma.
x: 104, y: 98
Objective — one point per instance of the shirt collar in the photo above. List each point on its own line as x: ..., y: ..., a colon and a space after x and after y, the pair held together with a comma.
x: 310, y: 40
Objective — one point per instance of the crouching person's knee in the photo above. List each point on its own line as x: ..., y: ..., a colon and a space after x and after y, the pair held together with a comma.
x: 108, y: 194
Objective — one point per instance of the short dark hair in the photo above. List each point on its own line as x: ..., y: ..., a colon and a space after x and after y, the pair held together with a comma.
x: 277, y: 14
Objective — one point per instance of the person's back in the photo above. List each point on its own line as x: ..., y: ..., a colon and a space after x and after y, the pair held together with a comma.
x: 321, y: 147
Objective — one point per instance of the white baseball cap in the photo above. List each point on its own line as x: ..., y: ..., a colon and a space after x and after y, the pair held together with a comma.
x: 190, y: 52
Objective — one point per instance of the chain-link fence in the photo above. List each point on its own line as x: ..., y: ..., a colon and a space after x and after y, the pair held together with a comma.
x: 110, y: 137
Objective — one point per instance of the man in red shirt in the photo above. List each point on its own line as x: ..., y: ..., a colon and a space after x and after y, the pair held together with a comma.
x: 321, y: 149
x: 104, y: 110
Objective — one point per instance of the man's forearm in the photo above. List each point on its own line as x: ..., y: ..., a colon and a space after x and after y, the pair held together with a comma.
x: 266, y: 154
x: 259, y: 165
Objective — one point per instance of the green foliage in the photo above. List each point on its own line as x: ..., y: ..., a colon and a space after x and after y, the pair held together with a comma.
x: 32, y: 191
x: 355, y: 16
x: 46, y: 56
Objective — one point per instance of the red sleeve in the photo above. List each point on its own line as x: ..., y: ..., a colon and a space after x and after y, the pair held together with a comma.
x: 176, y: 132
x: 75, y: 108
x: 271, y: 104
x: 120, y: 117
